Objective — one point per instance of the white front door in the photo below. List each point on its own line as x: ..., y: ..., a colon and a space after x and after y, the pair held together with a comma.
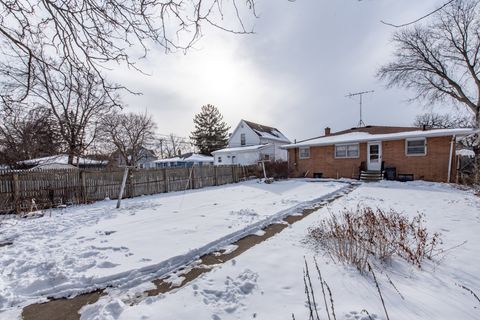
x: 374, y: 156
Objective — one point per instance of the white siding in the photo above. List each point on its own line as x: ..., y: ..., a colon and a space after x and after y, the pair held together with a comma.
x: 251, y: 138
x: 241, y: 158
x: 279, y: 154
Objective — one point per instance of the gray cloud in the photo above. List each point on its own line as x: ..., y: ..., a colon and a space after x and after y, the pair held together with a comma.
x: 293, y: 73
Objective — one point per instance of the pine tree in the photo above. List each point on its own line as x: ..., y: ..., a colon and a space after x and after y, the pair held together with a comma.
x: 211, y: 132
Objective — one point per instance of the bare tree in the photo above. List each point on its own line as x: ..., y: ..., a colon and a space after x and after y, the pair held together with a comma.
x: 440, y: 121
x: 440, y: 60
x: 90, y: 34
x: 129, y: 134
x: 77, y: 100
x: 27, y: 134
x: 172, y: 145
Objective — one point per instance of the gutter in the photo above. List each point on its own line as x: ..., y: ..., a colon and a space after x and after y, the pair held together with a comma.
x: 450, y: 159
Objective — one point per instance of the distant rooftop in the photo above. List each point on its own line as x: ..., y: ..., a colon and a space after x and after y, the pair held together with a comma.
x: 187, y: 157
x: 267, y: 131
x: 60, y: 159
x: 243, y: 149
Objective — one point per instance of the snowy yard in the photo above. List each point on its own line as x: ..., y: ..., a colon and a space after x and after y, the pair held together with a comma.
x: 84, y: 247
x: 266, y: 281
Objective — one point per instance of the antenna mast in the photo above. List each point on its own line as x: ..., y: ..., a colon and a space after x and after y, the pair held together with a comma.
x: 360, y: 94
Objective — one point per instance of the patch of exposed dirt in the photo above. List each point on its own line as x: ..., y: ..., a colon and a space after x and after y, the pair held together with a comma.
x: 60, y: 309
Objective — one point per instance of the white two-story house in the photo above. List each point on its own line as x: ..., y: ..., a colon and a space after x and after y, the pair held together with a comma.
x: 251, y: 142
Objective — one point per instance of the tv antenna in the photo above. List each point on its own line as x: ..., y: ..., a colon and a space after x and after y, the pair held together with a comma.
x: 360, y: 94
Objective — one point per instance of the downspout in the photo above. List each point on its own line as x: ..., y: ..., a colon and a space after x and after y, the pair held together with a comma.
x: 450, y: 159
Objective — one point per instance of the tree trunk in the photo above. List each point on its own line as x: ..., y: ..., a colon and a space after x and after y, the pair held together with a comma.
x: 476, y: 147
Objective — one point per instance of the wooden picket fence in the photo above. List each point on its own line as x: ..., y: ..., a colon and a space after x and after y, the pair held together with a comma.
x: 24, y: 191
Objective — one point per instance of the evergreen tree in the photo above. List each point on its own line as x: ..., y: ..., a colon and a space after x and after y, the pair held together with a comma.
x: 211, y: 132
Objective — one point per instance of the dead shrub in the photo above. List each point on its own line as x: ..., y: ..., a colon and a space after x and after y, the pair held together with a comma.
x: 354, y: 237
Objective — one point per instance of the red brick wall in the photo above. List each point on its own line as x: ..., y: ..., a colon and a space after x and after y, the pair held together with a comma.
x: 431, y: 167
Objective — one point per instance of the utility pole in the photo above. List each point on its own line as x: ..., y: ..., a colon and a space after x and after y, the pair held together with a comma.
x: 360, y: 94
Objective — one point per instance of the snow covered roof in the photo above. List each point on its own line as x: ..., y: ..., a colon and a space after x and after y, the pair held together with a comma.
x: 243, y: 149
x: 357, y: 137
x: 192, y: 157
x: 199, y: 158
x: 60, y: 159
x: 267, y: 131
x: 55, y: 166
x: 465, y: 153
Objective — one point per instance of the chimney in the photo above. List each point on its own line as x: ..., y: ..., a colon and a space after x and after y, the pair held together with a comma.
x: 327, y: 131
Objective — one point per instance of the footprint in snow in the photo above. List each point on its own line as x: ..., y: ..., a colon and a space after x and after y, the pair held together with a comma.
x: 106, y: 264
x: 354, y: 315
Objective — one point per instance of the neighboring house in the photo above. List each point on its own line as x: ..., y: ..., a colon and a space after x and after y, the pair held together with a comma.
x: 415, y: 153
x: 251, y: 142
x: 183, y: 161
x: 60, y: 162
x: 144, y: 158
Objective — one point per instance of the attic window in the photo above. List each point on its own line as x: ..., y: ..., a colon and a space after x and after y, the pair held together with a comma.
x: 242, y: 139
x: 416, y: 147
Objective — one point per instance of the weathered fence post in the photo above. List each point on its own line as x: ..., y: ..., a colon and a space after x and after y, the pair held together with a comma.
x: 192, y: 178
x: 83, y: 187
x: 215, y: 175
x: 16, y: 192
x: 165, y: 179
x: 122, y: 187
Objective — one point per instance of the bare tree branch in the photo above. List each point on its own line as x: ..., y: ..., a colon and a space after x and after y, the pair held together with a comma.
x: 93, y: 34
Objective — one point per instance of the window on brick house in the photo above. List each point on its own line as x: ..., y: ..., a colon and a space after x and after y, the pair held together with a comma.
x: 416, y: 147
x: 347, y: 151
x: 304, y: 153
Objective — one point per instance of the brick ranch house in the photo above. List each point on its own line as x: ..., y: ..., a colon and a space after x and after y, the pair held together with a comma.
x: 414, y: 153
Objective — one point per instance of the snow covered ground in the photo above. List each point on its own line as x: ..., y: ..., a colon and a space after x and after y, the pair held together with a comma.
x: 266, y: 281
x: 84, y: 247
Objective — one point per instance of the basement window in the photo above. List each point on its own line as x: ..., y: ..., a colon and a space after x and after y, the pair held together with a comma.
x: 416, y: 147
x: 304, y: 152
x: 345, y: 151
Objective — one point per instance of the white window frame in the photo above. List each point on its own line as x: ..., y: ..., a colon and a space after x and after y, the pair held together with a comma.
x: 243, y: 139
x: 300, y: 152
x: 219, y: 159
x: 416, y: 154
x: 346, y: 150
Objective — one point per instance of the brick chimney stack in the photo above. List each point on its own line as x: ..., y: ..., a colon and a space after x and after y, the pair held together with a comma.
x: 327, y: 131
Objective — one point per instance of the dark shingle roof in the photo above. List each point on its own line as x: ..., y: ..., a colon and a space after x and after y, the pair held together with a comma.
x: 267, y: 131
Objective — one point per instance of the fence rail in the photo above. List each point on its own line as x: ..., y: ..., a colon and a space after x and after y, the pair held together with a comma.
x: 22, y: 191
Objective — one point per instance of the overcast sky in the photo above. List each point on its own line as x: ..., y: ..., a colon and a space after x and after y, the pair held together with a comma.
x: 293, y: 73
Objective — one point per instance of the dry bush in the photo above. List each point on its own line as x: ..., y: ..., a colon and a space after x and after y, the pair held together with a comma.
x: 353, y: 237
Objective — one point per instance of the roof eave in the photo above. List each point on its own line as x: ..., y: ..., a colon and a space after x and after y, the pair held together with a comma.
x: 380, y: 137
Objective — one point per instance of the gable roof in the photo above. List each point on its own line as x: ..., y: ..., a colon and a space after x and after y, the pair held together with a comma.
x: 266, y: 131
x: 357, y: 135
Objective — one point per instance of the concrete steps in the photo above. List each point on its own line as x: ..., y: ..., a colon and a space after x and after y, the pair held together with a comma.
x: 371, y: 176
